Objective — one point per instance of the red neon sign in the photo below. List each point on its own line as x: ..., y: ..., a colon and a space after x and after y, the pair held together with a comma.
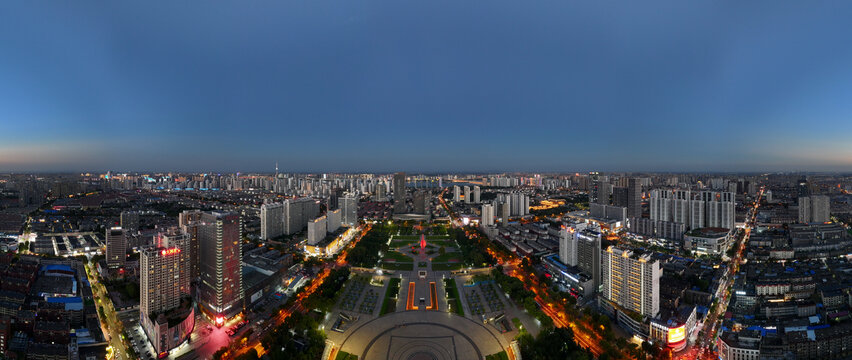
x: 171, y: 251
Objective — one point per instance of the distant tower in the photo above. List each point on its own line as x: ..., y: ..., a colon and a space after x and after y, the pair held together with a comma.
x: 399, y: 193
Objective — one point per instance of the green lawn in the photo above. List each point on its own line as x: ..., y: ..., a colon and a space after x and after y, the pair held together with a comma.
x: 445, y: 243
x: 498, y: 356
x: 342, y: 355
x: 453, y: 293
x: 397, y: 243
x: 447, y: 266
x: 389, y: 303
x: 398, y: 257
x: 398, y: 266
x: 447, y: 257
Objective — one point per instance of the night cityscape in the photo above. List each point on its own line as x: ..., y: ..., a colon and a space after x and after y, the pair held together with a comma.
x: 441, y: 180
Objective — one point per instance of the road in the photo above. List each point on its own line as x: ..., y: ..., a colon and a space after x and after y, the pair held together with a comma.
x: 110, y: 324
x: 714, y: 319
x: 583, y: 333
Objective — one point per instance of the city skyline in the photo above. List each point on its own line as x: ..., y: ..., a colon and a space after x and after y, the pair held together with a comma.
x: 431, y: 87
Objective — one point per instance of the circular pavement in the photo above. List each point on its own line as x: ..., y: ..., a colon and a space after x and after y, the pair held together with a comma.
x: 422, y: 335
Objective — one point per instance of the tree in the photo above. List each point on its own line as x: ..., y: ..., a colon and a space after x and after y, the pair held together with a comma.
x: 220, y: 353
x: 249, y: 355
x: 442, y: 250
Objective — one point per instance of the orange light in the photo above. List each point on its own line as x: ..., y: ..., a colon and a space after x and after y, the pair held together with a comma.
x: 220, y: 320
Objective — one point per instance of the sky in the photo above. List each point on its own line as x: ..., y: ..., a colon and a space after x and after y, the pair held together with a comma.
x: 443, y: 85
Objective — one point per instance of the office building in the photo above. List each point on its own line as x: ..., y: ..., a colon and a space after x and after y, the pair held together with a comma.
x: 695, y: 209
x: 632, y: 281
x: 165, y: 307
x: 189, y: 216
x: 189, y: 221
x: 487, y: 216
x: 399, y: 193
x: 589, y: 254
x: 456, y: 193
x: 619, y: 196
x: 130, y: 221
x: 634, y: 198
x: 317, y: 230
x: 271, y: 220
x: 349, y: 210
x: 814, y: 209
x: 467, y: 198
x: 505, y: 209
x: 220, y: 290
x: 381, y: 194
x: 297, y: 213
x: 421, y: 199
x: 334, y: 220
x: 116, y: 248
x: 476, y: 194
x: 568, y: 245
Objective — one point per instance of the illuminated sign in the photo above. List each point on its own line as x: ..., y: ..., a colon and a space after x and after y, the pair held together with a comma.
x: 171, y: 251
x: 677, y: 334
x: 220, y: 320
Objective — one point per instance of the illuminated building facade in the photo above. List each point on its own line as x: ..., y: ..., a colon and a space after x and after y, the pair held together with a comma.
x: 631, y: 281
x: 220, y: 290
x: 116, y: 248
x: 165, y: 306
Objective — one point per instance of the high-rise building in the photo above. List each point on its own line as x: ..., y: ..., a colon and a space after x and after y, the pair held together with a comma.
x: 619, y: 196
x: 271, y: 220
x: 189, y: 216
x: 594, y: 186
x: 165, y: 308
x: 189, y: 221
x: 420, y: 201
x: 467, y: 198
x: 814, y: 209
x: 297, y: 213
x: 631, y: 280
x: 130, y: 221
x: 380, y: 195
x: 456, y: 193
x: 220, y: 291
x: 487, y: 216
x: 116, y: 248
x: 506, y: 210
x: 349, y: 209
x: 164, y: 273
x: 634, y: 198
x: 334, y: 220
x: 589, y: 254
x: 568, y: 245
x: 399, y: 193
x: 696, y: 209
x: 317, y: 230
x: 476, y: 194
x: 803, y: 188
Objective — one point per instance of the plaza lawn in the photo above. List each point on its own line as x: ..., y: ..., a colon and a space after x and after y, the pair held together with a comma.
x: 342, y: 355
x: 394, y: 256
x: 498, y: 356
x: 445, y: 243
x: 453, y: 296
x: 398, y: 266
x: 446, y: 266
x: 398, y: 243
x: 389, y: 303
x: 447, y: 257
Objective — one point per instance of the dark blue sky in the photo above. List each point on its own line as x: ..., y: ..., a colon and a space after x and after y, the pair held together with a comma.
x: 425, y: 85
